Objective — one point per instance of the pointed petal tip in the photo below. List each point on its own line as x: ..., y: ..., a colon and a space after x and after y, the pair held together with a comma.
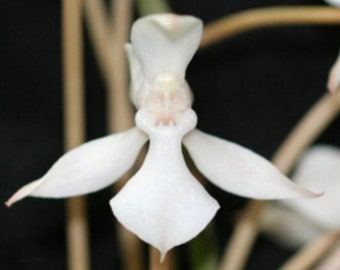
x: 333, y: 83
x: 23, y: 192
x: 307, y: 194
x: 163, y: 254
x: 238, y: 170
x: 8, y: 203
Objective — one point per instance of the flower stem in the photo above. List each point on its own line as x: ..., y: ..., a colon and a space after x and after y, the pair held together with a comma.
x: 120, y: 110
x: 147, y: 7
x: 203, y: 250
x: 312, y: 252
x: 99, y: 30
x: 306, y: 131
x: 268, y: 17
x: 76, y: 223
x: 332, y: 261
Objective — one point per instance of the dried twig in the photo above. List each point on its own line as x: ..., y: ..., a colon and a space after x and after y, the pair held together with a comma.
x: 310, y: 254
x: 77, y: 231
x: 268, y: 17
x: 306, y: 131
x: 108, y: 37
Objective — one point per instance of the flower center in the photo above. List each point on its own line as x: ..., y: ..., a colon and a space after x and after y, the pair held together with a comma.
x: 168, y: 97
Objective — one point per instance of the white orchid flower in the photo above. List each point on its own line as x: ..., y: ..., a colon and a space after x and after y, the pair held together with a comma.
x: 297, y: 222
x: 162, y: 203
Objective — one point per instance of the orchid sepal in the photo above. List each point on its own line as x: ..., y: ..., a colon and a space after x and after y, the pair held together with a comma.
x: 90, y: 167
x: 239, y: 170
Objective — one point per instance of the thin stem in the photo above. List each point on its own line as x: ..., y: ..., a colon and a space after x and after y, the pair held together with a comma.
x: 306, y: 131
x: 312, y: 253
x: 268, y: 17
x: 108, y: 38
x: 99, y: 29
x: 203, y: 250
x: 120, y: 109
x: 120, y: 116
x: 77, y: 229
x: 147, y: 7
x: 332, y: 261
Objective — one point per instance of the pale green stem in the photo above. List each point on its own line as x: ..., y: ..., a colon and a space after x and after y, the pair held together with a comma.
x: 147, y: 7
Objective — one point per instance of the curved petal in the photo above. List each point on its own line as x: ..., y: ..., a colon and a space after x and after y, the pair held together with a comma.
x: 166, y: 42
x: 335, y: 3
x: 163, y: 203
x: 87, y: 168
x: 238, y: 170
x: 319, y: 169
x: 333, y: 83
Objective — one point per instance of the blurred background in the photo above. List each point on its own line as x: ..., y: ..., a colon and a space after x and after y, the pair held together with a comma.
x: 250, y: 89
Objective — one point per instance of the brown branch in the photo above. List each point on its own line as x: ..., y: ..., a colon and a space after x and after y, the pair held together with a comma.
x: 108, y: 37
x: 76, y: 223
x: 120, y: 110
x: 311, y: 253
x: 268, y: 17
x: 304, y: 134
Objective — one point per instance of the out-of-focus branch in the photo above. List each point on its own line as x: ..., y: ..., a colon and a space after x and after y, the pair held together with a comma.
x: 74, y: 130
x: 311, y: 253
x: 108, y: 36
x: 307, y: 130
x: 268, y: 17
x: 147, y: 7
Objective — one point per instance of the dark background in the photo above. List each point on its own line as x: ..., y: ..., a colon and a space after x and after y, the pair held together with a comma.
x: 250, y: 89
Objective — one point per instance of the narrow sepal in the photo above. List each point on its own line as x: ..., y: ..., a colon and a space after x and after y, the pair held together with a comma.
x: 238, y: 170
x: 87, y: 168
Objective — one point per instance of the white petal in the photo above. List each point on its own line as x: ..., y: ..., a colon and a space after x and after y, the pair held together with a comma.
x: 136, y: 73
x: 238, y: 170
x: 288, y: 227
x: 87, y: 168
x: 334, y: 76
x: 163, y: 203
x: 319, y: 169
x: 335, y: 3
x: 166, y: 43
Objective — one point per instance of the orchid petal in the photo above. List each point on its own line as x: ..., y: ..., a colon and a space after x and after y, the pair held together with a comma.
x: 163, y: 203
x: 319, y: 169
x: 166, y: 43
x: 334, y: 76
x: 87, y: 168
x: 288, y: 227
x: 239, y: 170
x: 136, y: 73
x: 335, y: 3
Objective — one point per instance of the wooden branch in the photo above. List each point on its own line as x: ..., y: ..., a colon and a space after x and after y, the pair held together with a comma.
x: 303, y: 135
x: 74, y: 130
x: 268, y: 17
